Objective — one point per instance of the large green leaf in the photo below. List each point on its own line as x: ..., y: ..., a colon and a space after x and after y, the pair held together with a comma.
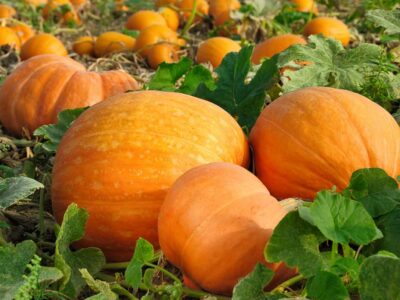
x: 326, y: 286
x: 390, y: 20
x: 103, y: 288
x: 13, y: 189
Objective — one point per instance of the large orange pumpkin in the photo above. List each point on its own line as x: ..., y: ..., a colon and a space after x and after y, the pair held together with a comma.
x: 9, y: 37
x: 44, y: 85
x: 144, y: 18
x: 214, y: 50
x: 43, y: 43
x: 315, y: 138
x: 214, y: 224
x: 275, y: 45
x: 329, y: 27
x: 152, y: 35
x: 221, y: 9
x: 7, y: 11
x: 113, y: 42
x: 119, y: 159
x: 24, y: 31
x: 171, y: 16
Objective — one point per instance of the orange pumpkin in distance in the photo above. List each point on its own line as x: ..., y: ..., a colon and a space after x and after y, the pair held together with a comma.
x: 120, y: 157
x: 7, y: 11
x: 215, y: 49
x: 52, y: 9
x: 84, y: 45
x: 186, y: 6
x: 35, y: 2
x: 143, y: 19
x: 220, y: 10
x: 330, y: 28
x: 152, y: 35
x: 41, y: 87
x: 315, y: 138
x: 24, y: 31
x: 306, y: 6
x: 214, y: 224
x: 162, y: 53
x: 171, y: 16
x: 43, y: 43
x: 9, y: 37
x: 113, y: 42
x: 275, y: 45
x: 160, y: 3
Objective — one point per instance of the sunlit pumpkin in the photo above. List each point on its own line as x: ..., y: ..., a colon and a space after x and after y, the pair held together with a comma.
x: 84, y: 45
x: 112, y: 42
x: 214, y: 50
x: 221, y: 9
x: 43, y: 43
x: 171, y: 17
x: 160, y: 53
x: 35, y: 2
x: 23, y: 31
x: 7, y: 11
x: 306, y: 6
x: 186, y: 6
x: 9, y: 37
x: 144, y: 18
x: 328, y: 27
x: 152, y: 35
x: 160, y: 3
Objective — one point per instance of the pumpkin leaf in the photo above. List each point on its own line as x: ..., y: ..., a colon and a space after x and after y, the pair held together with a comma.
x: 379, y: 278
x: 103, y: 288
x: 144, y: 252
x: 346, y: 265
x: 13, y: 189
x: 244, y: 101
x: 296, y: 242
x: 53, y: 133
x: 341, y: 219
x: 72, y: 229
x: 252, y: 286
x: 389, y: 20
x: 329, y: 64
x: 326, y: 286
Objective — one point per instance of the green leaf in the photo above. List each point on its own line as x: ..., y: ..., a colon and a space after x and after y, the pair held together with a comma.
x: 346, y: 265
x: 72, y: 229
x: 376, y: 190
x: 144, y: 252
x: 390, y: 20
x: 296, y: 242
x: 330, y: 64
x: 244, y: 101
x: 13, y: 262
x: 252, y: 286
x: 49, y: 275
x: 53, y: 133
x: 379, y: 278
x: 197, y: 75
x: 341, y: 219
x: 101, y: 287
x: 13, y: 189
x: 326, y: 286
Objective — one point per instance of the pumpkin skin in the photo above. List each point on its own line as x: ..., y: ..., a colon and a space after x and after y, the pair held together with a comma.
x: 171, y: 17
x: 42, y: 43
x: 305, y: 6
x: 9, y: 37
x: 162, y: 53
x: 315, y: 138
x: 45, y: 85
x: 7, y: 11
x: 24, y: 32
x: 214, y: 224
x: 275, y: 45
x: 329, y: 27
x: 144, y: 18
x: 84, y: 45
x: 214, y: 50
x: 152, y: 35
x: 35, y: 2
x: 132, y: 148
x: 186, y: 6
x: 160, y: 3
x: 113, y: 42
x: 221, y: 9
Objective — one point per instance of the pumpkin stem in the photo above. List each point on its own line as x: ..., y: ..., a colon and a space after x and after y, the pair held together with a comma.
x: 191, y: 19
x: 288, y: 283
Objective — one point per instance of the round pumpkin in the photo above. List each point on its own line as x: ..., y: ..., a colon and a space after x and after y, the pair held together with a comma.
x: 171, y: 17
x: 329, y: 27
x: 186, y: 6
x: 45, y: 85
x: 160, y: 53
x: 152, y: 35
x: 112, y: 42
x: 315, y: 138
x: 84, y: 45
x: 160, y: 3
x: 275, y: 45
x: 220, y: 10
x: 24, y: 31
x: 7, y: 11
x: 42, y: 43
x: 214, y: 50
x: 306, y: 6
x: 121, y: 156
x: 214, y: 224
x: 144, y: 18
x: 51, y: 10
x: 9, y: 37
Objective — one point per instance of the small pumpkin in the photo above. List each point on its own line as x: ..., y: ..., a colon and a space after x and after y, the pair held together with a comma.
x: 7, y: 11
x: 45, y: 85
x: 306, y: 6
x: 315, y: 138
x: 275, y: 45
x: 113, y: 42
x: 186, y: 7
x: 24, y: 31
x: 35, y: 2
x: 84, y: 45
x: 171, y: 16
x: 220, y: 10
x: 42, y: 43
x: 120, y: 157
x: 214, y: 50
x: 160, y: 53
x: 9, y: 37
x: 161, y: 3
x: 214, y: 224
x: 328, y: 27
x: 52, y: 10
x: 144, y: 18
x: 152, y: 35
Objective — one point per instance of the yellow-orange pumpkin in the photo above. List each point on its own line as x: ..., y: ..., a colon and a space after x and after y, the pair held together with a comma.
x: 112, y: 42
x: 314, y: 138
x: 160, y: 53
x: 275, y: 45
x: 186, y: 6
x: 7, y: 11
x: 120, y: 157
x: 214, y: 50
x: 9, y: 37
x: 214, y: 224
x: 221, y: 9
x: 50, y: 10
x: 329, y: 27
x: 160, y: 3
x: 24, y: 31
x: 84, y: 45
x: 152, y: 35
x: 306, y: 6
x: 35, y: 2
x: 42, y: 43
x: 171, y: 17
x: 44, y: 85
x: 144, y: 18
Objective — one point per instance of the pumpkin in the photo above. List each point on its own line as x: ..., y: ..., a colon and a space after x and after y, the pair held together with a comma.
x: 51, y: 10
x: 328, y: 27
x: 160, y: 53
x: 35, y: 2
x: 9, y: 37
x: 214, y: 50
x: 214, y: 224
x: 306, y: 6
x: 45, y: 85
x: 7, y: 11
x: 112, y: 42
x: 171, y: 17
x: 152, y: 35
x: 78, y: 3
x: 274, y: 46
x: 186, y: 6
x: 42, y: 43
x: 84, y: 45
x: 144, y: 18
x: 160, y: 3
x: 220, y: 10
x: 315, y: 138
x: 121, y: 156
x: 24, y: 31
